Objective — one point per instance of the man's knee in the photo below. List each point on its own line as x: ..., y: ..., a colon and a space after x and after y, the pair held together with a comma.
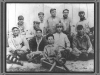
x: 91, y: 55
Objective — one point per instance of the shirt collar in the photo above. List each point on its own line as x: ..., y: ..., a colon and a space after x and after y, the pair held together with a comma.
x: 60, y: 33
x: 39, y: 39
x: 81, y: 36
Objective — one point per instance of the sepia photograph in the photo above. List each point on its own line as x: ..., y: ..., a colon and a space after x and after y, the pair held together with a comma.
x: 50, y: 37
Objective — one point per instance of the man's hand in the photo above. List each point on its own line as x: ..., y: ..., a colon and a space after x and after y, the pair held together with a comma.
x: 79, y: 52
x: 84, y: 51
x: 68, y: 48
x: 12, y: 51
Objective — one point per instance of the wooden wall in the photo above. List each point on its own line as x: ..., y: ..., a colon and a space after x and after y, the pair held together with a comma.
x: 30, y: 12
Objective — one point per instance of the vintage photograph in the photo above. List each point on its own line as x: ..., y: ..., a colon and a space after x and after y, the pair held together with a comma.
x: 50, y: 37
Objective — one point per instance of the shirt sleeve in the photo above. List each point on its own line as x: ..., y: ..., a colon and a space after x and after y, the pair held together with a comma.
x: 11, y: 44
x: 89, y: 42
x: 45, y: 26
x: 45, y: 53
x: 67, y: 42
x: 87, y: 28
x: 26, y: 45
x: 74, y: 43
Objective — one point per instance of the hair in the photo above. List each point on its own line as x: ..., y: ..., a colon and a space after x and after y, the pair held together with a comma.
x: 65, y: 10
x: 81, y: 12
x: 49, y: 35
x: 20, y: 17
x: 39, y: 30
x: 14, y: 28
x: 40, y: 13
x: 79, y: 27
x: 36, y: 22
x: 59, y: 24
x: 52, y: 9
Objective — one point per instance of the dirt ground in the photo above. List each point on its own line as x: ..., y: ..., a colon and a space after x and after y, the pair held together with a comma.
x: 75, y: 66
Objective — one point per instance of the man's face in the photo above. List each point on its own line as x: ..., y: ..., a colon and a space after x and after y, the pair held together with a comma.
x: 16, y: 32
x: 36, y: 26
x: 81, y: 15
x: 21, y: 20
x: 41, y: 17
x: 65, y: 13
x: 59, y: 29
x: 38, y: 34
x: 50, y: 40
x: 53, y: 13
x: 80, y: 32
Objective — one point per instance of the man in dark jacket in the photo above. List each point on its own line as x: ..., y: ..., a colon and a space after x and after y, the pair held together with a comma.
x: 37, y: 44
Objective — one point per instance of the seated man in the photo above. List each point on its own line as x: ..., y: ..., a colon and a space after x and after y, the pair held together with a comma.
x: 62, y: 41
x: 82, y: 47
x: 18, y: 46
x: 36, y: 44
x: 51, y: 50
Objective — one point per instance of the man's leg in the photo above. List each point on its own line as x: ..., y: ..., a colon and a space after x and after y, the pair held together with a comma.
x: 91, y: 55
x: 74, y: 55
x: 12, y: 58
x: 22, y: 54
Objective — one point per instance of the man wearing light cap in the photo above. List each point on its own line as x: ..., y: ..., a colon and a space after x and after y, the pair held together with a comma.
x: 31, y: 33
x: 62, y: 40
x: 18, y: 46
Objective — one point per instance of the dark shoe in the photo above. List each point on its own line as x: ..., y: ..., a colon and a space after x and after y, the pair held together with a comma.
x: 20, y: 63
x: 76, y: 58
x: 83, y: 57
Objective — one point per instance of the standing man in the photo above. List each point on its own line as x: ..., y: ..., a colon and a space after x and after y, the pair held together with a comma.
x: 83, y: 21
x: 21, y: 23
x: 52, y: 21
x: 67, y: 23
x: 42, y: 22
x: 82, y: 47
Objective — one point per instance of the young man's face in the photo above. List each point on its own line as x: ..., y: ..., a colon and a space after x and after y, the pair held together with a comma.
x: 65, y: 13
x: 21, y: 20
x: 80, y: 32
x: 36, y: 26
x: 59, y: 29
x: 53, y: 13
x: 50, y: 40
x: 81, y: 15
x: 15, y: 32
x: 38, y: 34
x: 41, y: 17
